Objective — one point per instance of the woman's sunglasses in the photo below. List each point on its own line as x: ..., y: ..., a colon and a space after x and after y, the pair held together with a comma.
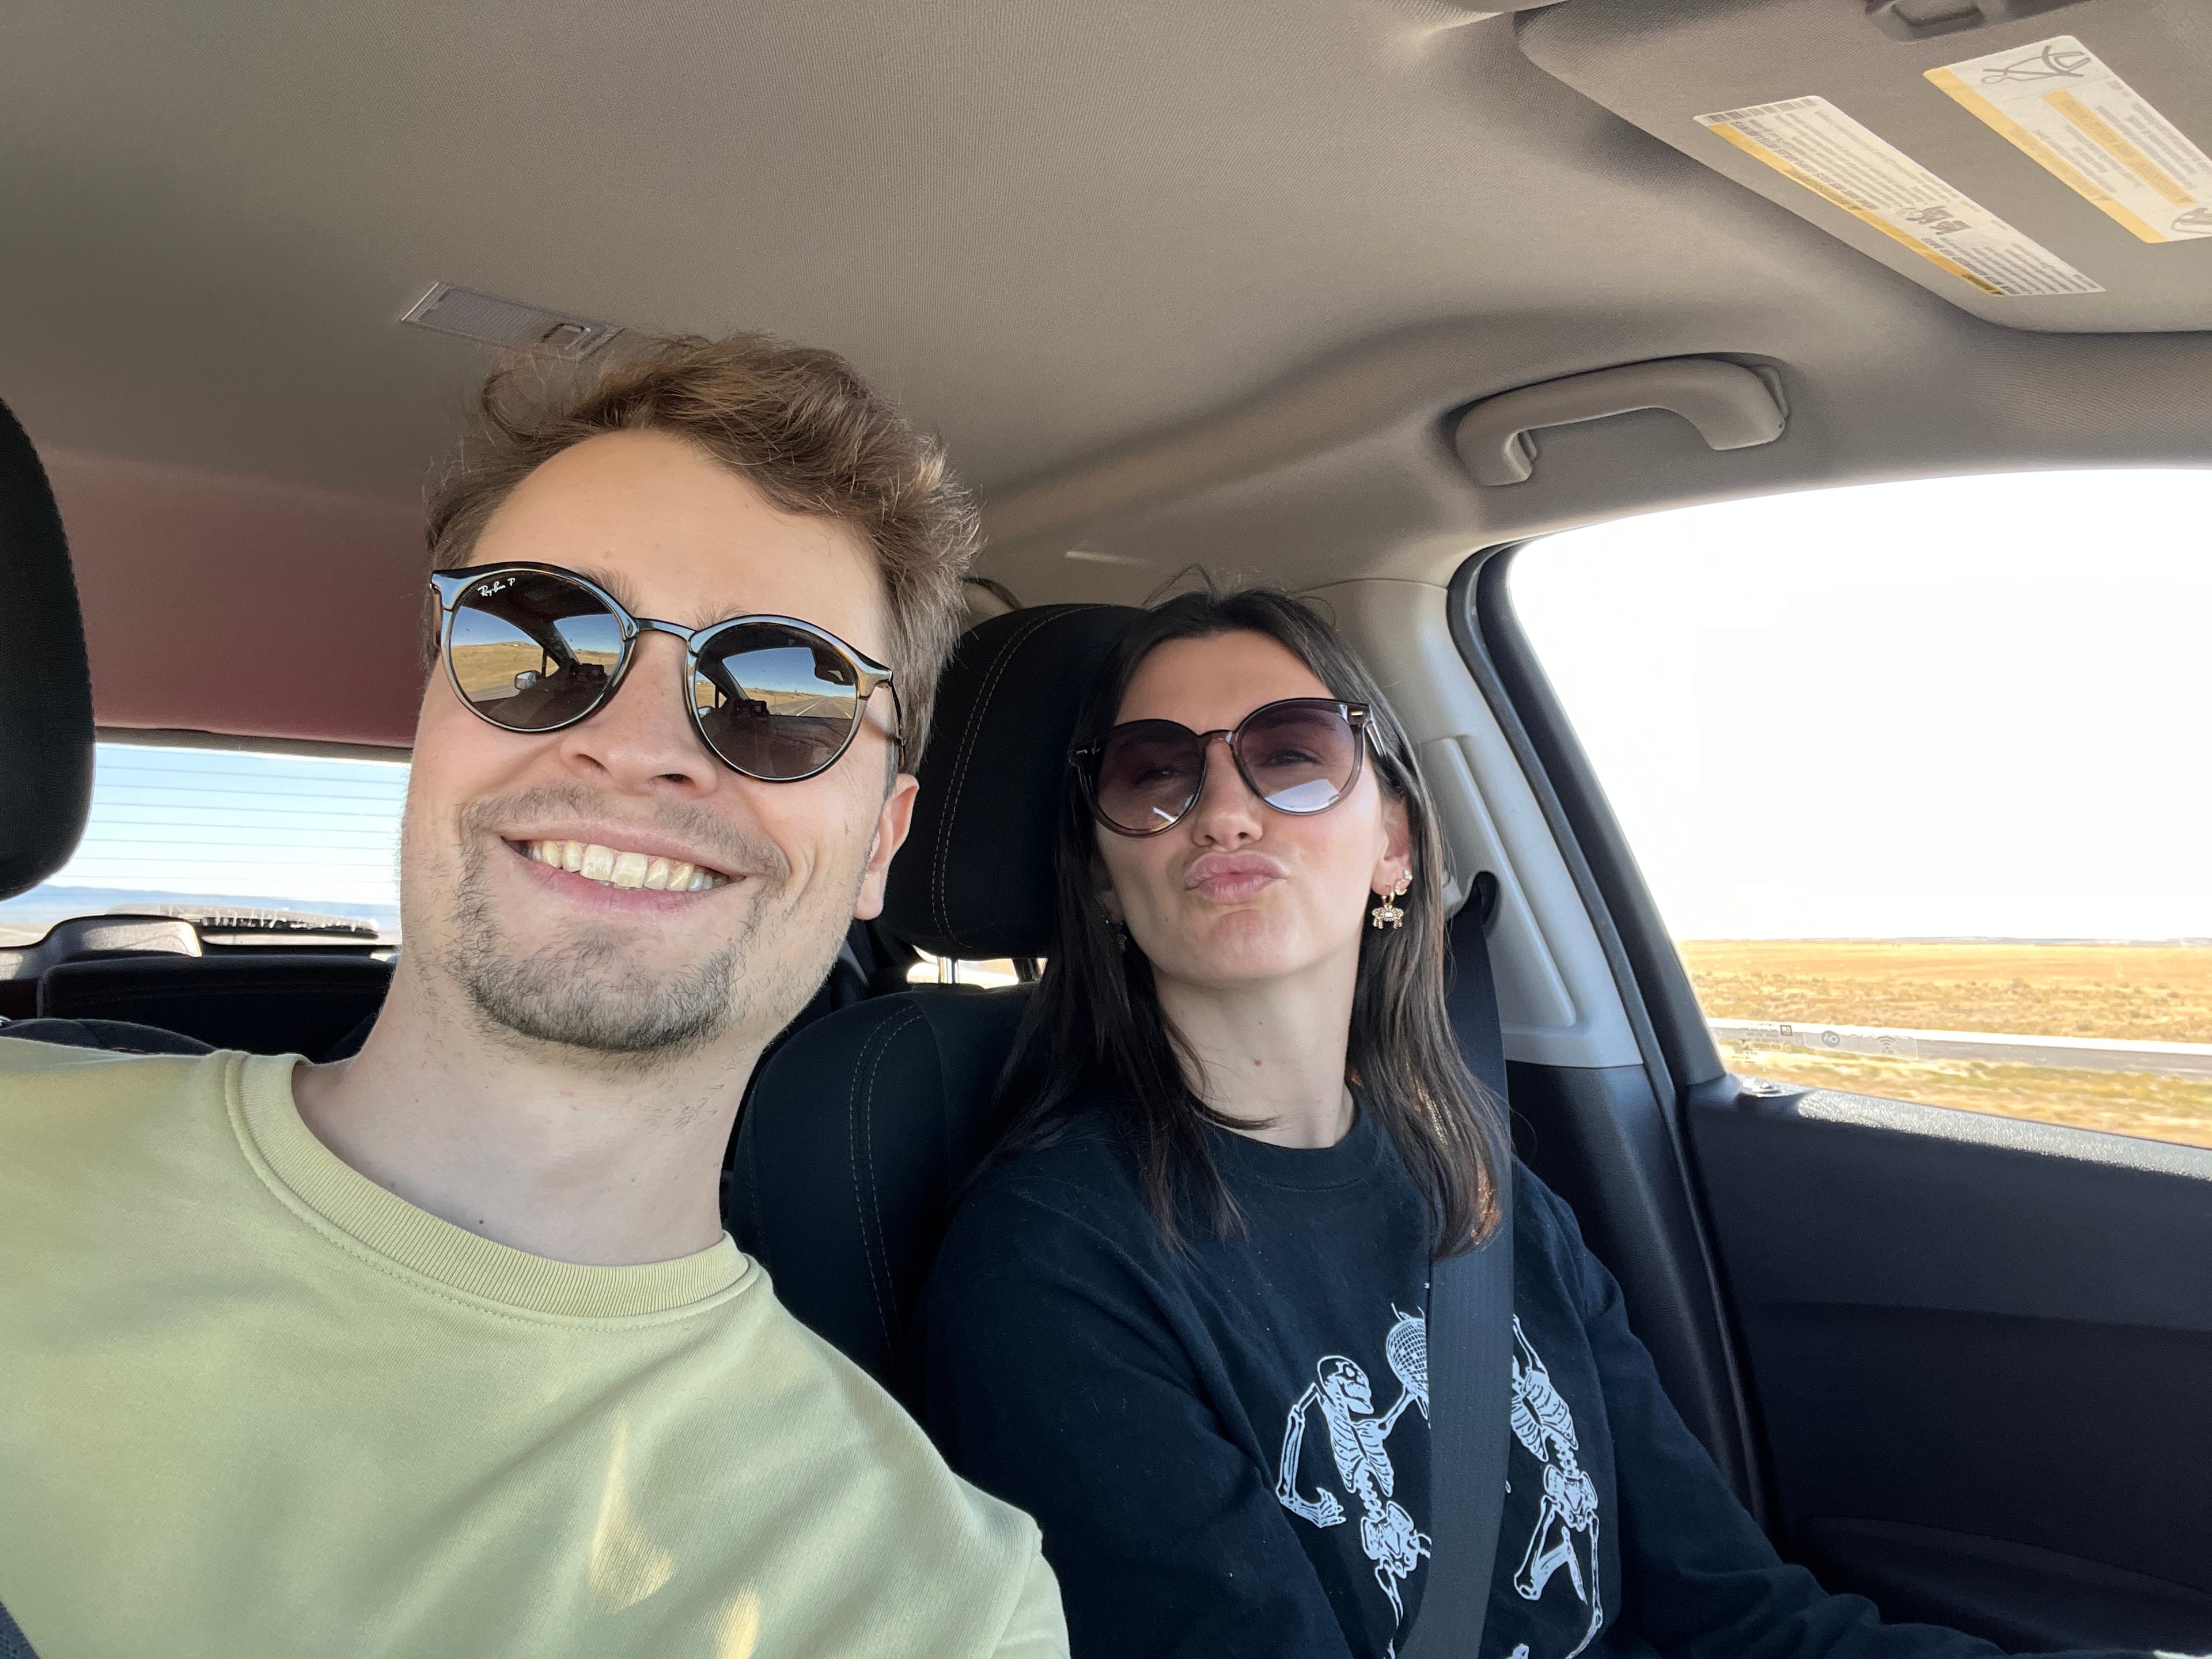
x: 531, y: 648
x: 1301, y: 755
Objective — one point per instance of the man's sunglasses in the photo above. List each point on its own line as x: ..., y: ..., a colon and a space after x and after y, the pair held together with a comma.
x: 531, y: 648
x: 1301, y: 755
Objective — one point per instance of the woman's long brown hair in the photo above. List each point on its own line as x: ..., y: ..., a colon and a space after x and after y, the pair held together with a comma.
x: 1094, y: 1031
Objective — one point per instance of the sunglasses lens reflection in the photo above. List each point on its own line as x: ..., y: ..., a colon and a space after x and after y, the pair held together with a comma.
x: 1148, y: 774
x: 775, y: 702
x: 1300, y: 757
x: 531, y: 651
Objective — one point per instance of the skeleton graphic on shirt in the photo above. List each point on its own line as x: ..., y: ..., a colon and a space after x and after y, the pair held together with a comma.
x: 1568, y: 1512
x: 1357, y: 1440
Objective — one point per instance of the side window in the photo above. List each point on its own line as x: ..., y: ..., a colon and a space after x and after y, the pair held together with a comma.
x: 268, y: 844
x: 943, y: 970
x: 1917, y: 775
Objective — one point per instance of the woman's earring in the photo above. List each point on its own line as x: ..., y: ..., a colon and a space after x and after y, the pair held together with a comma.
x: 1386, y: 913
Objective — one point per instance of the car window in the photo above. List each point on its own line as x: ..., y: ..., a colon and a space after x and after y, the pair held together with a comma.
x: 1915, y: 773
x: 943, y: 970
x: 259, y: 841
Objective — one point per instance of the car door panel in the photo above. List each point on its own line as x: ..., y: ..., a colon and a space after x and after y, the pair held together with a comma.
x: 1979, y: 1349
x: 2014, y: 1593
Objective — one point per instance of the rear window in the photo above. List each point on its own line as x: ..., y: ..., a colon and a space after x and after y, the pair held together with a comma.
x: 276, y: 843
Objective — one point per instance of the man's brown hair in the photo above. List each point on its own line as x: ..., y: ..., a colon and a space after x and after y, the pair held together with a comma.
x: 799, y: 422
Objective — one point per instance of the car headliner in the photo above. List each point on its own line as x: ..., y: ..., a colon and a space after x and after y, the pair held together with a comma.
x: 1177, y: 283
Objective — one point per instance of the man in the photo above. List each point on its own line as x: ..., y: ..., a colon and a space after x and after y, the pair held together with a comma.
x: 442, y: 1350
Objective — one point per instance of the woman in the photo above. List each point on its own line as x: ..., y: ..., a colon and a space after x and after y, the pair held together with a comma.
x: 1180, y: 1316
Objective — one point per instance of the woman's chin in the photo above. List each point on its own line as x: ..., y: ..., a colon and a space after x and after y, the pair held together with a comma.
x: 1240, y: 956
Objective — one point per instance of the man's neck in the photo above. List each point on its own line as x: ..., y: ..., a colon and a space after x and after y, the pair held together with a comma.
x: 1272, y: 1054
x: 536, y: 1148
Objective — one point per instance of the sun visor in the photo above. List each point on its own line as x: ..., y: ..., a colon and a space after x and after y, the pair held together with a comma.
x: 2044, y: 166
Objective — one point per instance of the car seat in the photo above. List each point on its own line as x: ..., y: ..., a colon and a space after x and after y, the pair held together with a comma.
x: 315, y: 1003
x: 860, y: 1132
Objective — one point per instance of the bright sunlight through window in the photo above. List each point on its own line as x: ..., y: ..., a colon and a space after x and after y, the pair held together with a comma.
x: 1916, y: 774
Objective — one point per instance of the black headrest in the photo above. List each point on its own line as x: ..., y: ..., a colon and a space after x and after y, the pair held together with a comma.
x: 46, y: 688
x: 974, y: 878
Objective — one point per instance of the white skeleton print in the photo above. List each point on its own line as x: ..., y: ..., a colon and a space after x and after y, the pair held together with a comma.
x: 1356, y: 1440
x: 1542, y: 1423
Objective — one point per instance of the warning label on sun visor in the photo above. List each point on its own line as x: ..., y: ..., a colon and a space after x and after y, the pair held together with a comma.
x: 1810, y: 140
x: 2061, y: 104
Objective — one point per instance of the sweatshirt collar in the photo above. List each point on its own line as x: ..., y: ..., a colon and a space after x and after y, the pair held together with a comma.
x: 1309, y: 1169
x: 333, y: 1195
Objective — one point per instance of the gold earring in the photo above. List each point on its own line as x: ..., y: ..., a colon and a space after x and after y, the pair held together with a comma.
x: 1386, y: 913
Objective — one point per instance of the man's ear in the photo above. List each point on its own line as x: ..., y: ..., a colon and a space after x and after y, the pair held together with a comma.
x: 892, y: 823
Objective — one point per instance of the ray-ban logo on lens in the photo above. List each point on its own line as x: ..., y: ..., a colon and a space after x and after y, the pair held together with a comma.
x: 485, y: 590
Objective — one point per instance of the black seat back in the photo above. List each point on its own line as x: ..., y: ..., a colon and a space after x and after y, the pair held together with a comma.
x: 287, y: 1002
x: 862, y: 1129
x: 852, y: 1153
x: 45, y: 686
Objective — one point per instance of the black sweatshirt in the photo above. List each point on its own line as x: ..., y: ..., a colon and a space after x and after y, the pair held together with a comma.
x: 1227, y: 1445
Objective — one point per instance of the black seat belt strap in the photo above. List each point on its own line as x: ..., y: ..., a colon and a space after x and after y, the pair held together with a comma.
x: 1470, y: 1335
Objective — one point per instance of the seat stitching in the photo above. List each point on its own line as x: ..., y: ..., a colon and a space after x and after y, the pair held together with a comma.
x: 875, y: 1192
x: 852, y: 1167
x: 880, y: 1041
x: 967, y: 749
x: 750, y: 1151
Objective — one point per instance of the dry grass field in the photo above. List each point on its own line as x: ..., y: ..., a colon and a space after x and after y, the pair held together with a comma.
x: 2149, y: 992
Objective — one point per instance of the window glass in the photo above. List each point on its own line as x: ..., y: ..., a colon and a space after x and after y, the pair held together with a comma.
x: 1916, y: 774
x: 253, y: 839
x: 940, y: 971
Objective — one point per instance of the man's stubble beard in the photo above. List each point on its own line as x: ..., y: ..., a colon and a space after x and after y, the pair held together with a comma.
x: 585, y: 995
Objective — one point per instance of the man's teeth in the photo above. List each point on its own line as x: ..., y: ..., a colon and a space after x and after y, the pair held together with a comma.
x: 614, y: 869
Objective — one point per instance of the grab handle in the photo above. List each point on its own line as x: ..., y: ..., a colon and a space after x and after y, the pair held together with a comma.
x: 1732, y: 407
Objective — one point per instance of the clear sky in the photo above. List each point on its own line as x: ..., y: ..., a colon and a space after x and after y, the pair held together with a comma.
x: 1966, y: 706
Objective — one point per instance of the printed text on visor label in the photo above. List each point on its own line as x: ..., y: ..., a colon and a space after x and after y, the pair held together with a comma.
x: 2059, y: 104
x: 1814, y: 144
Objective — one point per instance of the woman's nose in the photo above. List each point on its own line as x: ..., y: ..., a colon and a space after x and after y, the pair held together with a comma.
x: 1227, y: 811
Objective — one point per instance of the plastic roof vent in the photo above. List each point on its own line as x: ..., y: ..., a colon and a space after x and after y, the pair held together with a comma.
x: 508, y: 323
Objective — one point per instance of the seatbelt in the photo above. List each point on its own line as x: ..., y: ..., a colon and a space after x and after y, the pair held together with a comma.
x: 1470, y: 1336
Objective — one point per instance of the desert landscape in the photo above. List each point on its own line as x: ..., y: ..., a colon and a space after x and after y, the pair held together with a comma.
x: 2141, y: 992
